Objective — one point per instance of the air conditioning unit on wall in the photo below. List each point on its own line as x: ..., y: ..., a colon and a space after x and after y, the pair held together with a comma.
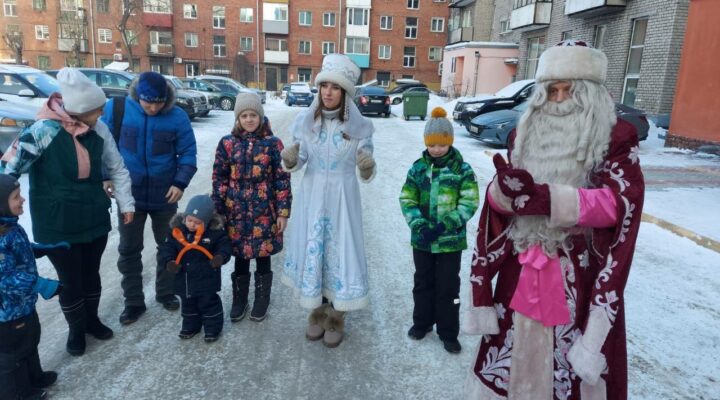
x: 117, y: 57
x: 178, y: 60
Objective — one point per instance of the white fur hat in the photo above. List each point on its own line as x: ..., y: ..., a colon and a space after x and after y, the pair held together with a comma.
x: 80, y: 94
x: 340, y: 70
x: 572, y: 59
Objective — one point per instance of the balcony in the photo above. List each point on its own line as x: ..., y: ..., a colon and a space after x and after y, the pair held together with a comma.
x: 460, y: 35
x: 68, y: 44
x: 161, y: 50
x: 593, y: 8
x: 161, y: 20
x: 276, y: 57
x: 362, y: 60
x: 359, y: 3
x: 273, y: 26
x: 535, y: 15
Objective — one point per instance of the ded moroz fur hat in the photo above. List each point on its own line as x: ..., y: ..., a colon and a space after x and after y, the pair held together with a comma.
x: 572, y: 59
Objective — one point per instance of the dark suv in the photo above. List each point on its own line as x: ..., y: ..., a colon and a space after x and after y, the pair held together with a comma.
x: 114, y: 83
x: 508, y: 97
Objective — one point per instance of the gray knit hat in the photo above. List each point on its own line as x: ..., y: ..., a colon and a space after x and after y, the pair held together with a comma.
x: 8, y: 184
x: 439, y: 130
x: 249, y: 101
x: 201, y: 207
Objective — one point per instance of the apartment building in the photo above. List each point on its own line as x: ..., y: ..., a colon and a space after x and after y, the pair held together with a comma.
x: 261, y: 42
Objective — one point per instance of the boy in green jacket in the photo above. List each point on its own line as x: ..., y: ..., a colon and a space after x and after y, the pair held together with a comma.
x: 439, y: 196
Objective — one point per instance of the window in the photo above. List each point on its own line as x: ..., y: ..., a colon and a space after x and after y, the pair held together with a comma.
x: 329, y: 19
x: 453, y: 64
x: 102, y: 6
x: 246, y: 15
x: 358, y: 16
x: 357, y: 45
x: 43, y: 62
x: 328, y: 48
x: 40, y: 5
x: 10, y: 8
x: 535, y: 47
x: 191, y: 39
x: 104, y: 35
x: 218, y: 17
x: 384, y: 51
x: 437, y: 25
x: 275, y: 12
x: 191, y: 69
x: 67, y: 5
x: 406, y: 76
x: 414, y: 4
x: 304, y: 47
x: 246, y: 43
x: 411, y: 27
x: 435, y: 53
x: 104, y: 62
x: 383, y: 78
x: 304, y: 74
x: 131, y: 38
x: 409, y: 57
x: 632, y: 70
x: 42, y: 32
x: 567, y: 35
x: 219, y: 49
x: 157, y: 6
x: 467, y: 18
x: 272, y: 44
x: 504, y: 26
x: 386, y: 22
x: 599, y: 36
x: 190, y: 11
x: 160, y: 38
x: 522, y: 3
x: 305, y: 18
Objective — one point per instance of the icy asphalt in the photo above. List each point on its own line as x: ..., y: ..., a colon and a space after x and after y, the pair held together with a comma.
x: 672, y: 306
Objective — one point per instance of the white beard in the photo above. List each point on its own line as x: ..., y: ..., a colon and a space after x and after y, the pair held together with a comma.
x: 557, y: 143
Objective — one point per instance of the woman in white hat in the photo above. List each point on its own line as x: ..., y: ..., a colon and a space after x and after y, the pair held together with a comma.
x: 67, y: 151
x: 325, y: 259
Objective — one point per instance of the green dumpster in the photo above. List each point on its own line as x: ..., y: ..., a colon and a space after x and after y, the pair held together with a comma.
x: 415, y: 104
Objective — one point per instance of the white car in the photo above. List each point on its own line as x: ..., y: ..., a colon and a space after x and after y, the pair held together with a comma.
x: 26, y: 86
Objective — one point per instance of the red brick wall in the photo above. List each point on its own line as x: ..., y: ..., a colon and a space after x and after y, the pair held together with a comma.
x: 316, y: 34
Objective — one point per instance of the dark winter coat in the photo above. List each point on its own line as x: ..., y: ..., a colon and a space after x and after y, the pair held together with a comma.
x: 18, y: 272
x: 159, y: 151
x: 251, y: 190
x: 196, y: 276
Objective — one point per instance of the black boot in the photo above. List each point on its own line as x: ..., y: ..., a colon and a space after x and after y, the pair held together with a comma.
x: 46, y: 379
x: 240, y: 286
x: 77, y: 322
x: 93, y: 325
x: 263, y: 283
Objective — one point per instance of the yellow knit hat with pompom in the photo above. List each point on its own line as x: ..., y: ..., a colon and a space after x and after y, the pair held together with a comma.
x: 439, y: 130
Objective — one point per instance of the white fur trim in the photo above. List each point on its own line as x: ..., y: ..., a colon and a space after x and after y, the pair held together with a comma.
x: 531, y: 360
x: 572, y: 62
x: 475, y: 389
x: 586, y: 364
x: 499, y: 198
x: 597, y: 391
x: 315, y: 302
x: 564, y: 206
x: 596, y: 330
x: 481, y: 321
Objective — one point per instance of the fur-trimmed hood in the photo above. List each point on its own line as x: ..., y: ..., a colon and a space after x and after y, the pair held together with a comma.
x: 171, y: 95
x: 217, y: 221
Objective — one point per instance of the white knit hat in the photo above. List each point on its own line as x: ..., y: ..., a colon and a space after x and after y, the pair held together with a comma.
x: 248, y: 101
x: 340, y: 70
x: 572, y: 59
x: 80, y: 94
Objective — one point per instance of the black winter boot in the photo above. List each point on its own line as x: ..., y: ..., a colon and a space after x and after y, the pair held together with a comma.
x: 263, y: 283
x: 77, y: 322
x: 93, y: 325
x: 240, y: 286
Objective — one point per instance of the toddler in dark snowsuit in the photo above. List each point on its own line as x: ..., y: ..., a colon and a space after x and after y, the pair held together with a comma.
x: 194, y: 250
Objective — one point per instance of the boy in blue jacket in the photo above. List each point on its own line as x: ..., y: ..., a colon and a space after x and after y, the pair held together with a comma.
x: 21, y: 376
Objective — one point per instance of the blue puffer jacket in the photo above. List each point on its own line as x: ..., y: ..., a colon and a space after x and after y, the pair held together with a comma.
x: 159, y: 151
x: 18, y: 272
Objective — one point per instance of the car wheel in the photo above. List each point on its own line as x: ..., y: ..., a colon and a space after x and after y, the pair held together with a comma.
x: 226, y: 104
x: 407, y: 118
x: 205, y: 114
x: 387, y: 115
x: 422, y: 118
x: 397, y: 101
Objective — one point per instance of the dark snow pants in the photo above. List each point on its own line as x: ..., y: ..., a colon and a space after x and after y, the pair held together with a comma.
x: 19, y: 359
x: 203, y: 311
x: 436, y: 292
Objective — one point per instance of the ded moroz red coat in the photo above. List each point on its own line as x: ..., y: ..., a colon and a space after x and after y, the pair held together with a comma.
x: 595, y: 269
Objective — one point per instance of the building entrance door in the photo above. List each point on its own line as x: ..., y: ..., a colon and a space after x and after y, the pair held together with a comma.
x: 271, y: 79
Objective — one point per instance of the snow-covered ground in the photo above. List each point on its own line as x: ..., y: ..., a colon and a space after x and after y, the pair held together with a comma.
x: 673, y: 307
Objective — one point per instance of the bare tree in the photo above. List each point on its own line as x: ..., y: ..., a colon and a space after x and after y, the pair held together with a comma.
x: 14, y: 41
x: 73, y: 30
x: 128, y: 36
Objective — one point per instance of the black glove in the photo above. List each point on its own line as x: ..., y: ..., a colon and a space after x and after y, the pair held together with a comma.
x: 428, y: 233
x: 172, y: 266
x: 217, y: 261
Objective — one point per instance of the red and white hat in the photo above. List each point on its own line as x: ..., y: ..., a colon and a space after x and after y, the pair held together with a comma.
x: 572, y: 59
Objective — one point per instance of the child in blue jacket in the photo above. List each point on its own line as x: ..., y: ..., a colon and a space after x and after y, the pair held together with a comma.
x: 21, y: 376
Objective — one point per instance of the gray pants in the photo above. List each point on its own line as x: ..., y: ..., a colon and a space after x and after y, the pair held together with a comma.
x: 130, y: 259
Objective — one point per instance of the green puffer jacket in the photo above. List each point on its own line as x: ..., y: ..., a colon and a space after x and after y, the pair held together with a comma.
x: 440, y: 190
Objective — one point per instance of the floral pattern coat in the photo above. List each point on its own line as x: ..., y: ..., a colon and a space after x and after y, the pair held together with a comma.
x: 251, y: 190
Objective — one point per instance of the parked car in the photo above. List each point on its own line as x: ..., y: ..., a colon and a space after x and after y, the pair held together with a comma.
x: 397, y: 98
x: 372, y: 100
x: 404, y: 85
x: 13, y: 119
x: 201, y: 100
x: 284, y: 90
x: 219, y: 98
x: 508, y: 97
x: 113, y: 82
x: 217, y: 80
x: 26, y: 86
x: 299, y: 93
x: 494, y: 128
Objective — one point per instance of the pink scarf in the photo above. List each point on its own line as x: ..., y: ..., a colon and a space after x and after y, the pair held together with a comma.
x: 53, y: 109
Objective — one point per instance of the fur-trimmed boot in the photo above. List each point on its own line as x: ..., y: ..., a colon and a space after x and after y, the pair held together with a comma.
x: 316, y: 319
x: 240, y: 287
x: 263, y: 284
x: 334, y: 326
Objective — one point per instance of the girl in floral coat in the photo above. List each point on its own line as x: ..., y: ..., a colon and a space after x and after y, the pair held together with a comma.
x: 252, y: 192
